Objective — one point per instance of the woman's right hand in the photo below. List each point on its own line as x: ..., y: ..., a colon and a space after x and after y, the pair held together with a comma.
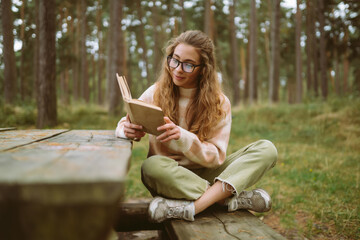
x: 133, y: 131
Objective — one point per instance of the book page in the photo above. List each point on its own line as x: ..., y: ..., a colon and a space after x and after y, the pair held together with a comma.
x: 124, y: 88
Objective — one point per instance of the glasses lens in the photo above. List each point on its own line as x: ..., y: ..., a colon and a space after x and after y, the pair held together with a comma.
x: 188, y: 67
x: 173, y: 62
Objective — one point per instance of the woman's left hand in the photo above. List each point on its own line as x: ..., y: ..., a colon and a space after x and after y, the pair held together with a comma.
x: 171, y: 131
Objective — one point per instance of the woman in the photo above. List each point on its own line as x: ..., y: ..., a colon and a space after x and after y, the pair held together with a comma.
x: 187, y: 168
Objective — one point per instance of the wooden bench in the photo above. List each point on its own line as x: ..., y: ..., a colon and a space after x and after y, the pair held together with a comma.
x: 60, y: 184
x: 214, y: 223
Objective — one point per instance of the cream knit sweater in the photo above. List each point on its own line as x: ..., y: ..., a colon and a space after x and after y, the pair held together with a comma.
x: 188, y: 150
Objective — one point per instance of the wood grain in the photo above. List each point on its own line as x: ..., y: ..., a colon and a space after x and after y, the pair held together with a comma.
x: 12, y: 139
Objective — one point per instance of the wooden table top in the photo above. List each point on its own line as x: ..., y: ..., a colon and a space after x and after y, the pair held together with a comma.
x: 62, y: 156
x: 43, y: 171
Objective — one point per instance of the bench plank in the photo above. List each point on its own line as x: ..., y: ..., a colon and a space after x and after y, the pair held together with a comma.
x: 12, y: 138
x: 215, y: 223
x: 66, y: 186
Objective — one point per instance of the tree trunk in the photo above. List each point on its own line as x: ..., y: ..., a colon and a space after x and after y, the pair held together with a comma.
x: 313, y: 8
x: 323, y: 64
x: 10, y: 78
x: 183, y: 16
x: 84, y: 62
x: 36, y: 52
x: 76, y: 64
x: 252, y: 53
x: 23, y: 78
x: 235, y: 58
x: 346, y: 63
x: 275, y: 54
x: 209, y: 19
x: 336, y: 62
x: 64, y: 87
x: 309, y: 47
x: 299, y: 88
x: 46, y: 99
x: 243, y: 70
x: 116, y: 63
x: 109, y: 60
x: 100, y: 52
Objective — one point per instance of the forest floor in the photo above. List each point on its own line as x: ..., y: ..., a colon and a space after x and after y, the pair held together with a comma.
x: 315, y: 184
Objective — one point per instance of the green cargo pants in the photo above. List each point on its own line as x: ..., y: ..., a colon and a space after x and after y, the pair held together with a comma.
x: 164, y: 177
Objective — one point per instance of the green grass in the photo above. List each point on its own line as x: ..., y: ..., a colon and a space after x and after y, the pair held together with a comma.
x: 315, y: 184
x: 77, y: 116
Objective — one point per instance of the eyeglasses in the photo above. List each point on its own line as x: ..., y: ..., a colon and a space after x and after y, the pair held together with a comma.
x: 186, y: 67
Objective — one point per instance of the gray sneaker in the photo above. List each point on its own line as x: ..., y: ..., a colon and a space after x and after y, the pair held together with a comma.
x: 257, y: 200
x: 161, y: 209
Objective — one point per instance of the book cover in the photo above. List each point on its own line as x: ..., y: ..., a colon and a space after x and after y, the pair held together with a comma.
x: 141, y: 113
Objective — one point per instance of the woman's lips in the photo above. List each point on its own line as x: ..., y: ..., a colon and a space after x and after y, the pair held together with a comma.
x: 178, y: 77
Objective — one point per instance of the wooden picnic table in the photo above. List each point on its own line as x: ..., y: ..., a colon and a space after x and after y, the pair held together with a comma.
x: 60, y: 184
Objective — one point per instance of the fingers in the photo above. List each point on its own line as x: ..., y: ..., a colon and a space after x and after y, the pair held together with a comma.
x: 168, y: 125
x: 133, y: 131
x: 171, y: 131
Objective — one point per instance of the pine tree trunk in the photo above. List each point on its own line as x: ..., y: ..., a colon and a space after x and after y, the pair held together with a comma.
x: 346, y: 64
x: 23, y: 79
x: 336, y: 62
x: 36, y: 52
x: 76, y: 65
x: 275, y: 54
x: 46, y: 99
x: 117, y: 49
x: 100, y: 53
x: 234, y: 53
x: 243, y: 70
x: 109, y: 60
x: 252, y: 53
x: 314, y: 47
x: 323, y: 64
x: 299, y: 88
x: 183, y: 16
x: 209, y: 19
x: 84, y: 61
x: 309, y: 47
x: 10, y: 78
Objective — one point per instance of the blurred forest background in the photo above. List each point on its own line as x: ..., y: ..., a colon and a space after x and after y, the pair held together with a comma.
x: 64, y: 52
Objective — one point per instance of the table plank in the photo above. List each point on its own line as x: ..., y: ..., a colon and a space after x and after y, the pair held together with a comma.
x: 13, y: 138
x: 64, y: 187
x: 7, y: 129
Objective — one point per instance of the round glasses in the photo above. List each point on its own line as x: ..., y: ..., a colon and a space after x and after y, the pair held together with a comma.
x: 186, y: 67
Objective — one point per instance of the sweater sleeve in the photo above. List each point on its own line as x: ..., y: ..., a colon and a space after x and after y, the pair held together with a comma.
x: 210, y: 153
x: 147, y: 96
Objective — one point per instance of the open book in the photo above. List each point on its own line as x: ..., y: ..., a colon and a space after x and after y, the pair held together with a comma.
x: 141, y: 113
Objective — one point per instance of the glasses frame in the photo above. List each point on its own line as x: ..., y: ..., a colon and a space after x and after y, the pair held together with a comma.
x: 169, y: 58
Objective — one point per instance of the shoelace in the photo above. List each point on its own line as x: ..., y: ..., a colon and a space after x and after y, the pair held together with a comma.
x: 245, y: 202
x: 175, y: 212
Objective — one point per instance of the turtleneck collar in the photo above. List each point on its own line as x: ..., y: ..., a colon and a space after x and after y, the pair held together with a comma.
x: 186, y: 92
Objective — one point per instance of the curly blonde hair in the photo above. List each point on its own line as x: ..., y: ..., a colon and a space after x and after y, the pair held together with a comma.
x: 204, y: 111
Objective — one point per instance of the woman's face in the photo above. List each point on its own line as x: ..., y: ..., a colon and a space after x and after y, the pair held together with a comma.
x: 186, y: 54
